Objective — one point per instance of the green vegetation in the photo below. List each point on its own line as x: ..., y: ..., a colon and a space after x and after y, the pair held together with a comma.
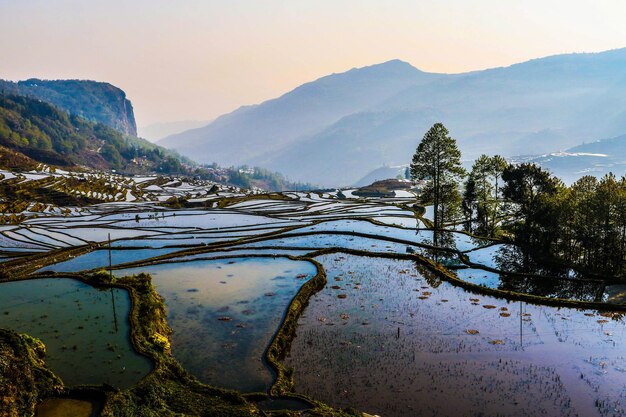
x: 24, y: 378
x: 438, y: 160
x: 245, y: 177
x: 94, y: 101
x: 33, y: 132
x: 46, y: 134
x: 383, y: 188
x: 482, y: 197
x: 583, y: 226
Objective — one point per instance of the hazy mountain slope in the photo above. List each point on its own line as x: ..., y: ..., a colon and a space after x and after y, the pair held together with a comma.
x: 576, y: 96
x: 94, y: 101
x: 529, y: 108
x: 595, y: 158
x: 614, y: 147
x: 335, y: 130
x: 355, y: 145
x: 249, y: 132
x: 157, y: 131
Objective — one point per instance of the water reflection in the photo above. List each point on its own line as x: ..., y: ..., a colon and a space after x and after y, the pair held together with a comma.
x: 521, y: 271
x: 224, y: 313
x: 388, y: 339
x: 77, y: 324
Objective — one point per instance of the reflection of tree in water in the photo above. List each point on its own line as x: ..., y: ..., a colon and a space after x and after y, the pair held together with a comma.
x: 442, y: 239
x: 513, y: 258
x: 549, y: 280
x: 432, y: 278
x: 478, y: 241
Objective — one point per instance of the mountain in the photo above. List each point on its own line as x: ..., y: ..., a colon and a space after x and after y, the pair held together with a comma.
x: 614, y: 147
x: 380, y: 174
x: 595, y: 158
x: 157, y: 131
x: 335, y: 130
x: 31, y: 129
x: 250, y: 132
x: 94, y: 101
x: 33, y: 132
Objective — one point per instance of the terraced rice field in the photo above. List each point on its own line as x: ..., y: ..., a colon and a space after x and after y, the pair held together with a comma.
x: 387, y: 333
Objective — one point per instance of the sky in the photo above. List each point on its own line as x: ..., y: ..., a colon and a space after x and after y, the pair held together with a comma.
x: 197, y: 59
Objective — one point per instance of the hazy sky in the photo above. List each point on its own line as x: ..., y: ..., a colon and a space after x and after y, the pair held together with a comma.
x: 196, y: 59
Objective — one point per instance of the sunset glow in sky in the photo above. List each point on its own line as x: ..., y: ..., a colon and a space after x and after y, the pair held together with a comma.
x: 197, y: 59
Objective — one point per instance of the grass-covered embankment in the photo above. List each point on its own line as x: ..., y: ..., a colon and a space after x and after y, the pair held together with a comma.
x: 24, y: 377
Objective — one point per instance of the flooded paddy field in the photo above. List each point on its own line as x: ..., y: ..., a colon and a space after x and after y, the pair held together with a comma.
x: 387, y: 338
x: 100, y: 259
x: 85, y: 330
x: 224, y: 313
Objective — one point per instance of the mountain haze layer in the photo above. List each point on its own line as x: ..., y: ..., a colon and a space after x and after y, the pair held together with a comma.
x: 335, y: 130
x: 595, y: 158
x: 253, y: 131
x: 157, y: 131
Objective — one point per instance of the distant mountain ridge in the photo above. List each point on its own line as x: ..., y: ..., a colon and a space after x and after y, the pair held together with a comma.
x: 594, y: 158
x: 94, y: 101
x: 250, y: 132
x: 336, y: 129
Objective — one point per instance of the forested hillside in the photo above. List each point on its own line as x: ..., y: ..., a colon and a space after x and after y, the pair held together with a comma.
x: 92, y: 100
x: 49, y: 135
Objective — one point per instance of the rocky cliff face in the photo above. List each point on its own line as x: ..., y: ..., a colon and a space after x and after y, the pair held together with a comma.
x: 94, y: 101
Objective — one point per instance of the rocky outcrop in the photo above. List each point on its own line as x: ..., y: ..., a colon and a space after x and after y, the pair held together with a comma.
x: 95, y: 101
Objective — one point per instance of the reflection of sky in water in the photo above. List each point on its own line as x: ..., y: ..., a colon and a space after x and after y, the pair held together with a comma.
x: 251, y: 296
x: 75, y: 322
x: 330, y: 240
x: 100, y: 259
x: 486, y: 256
x: 480, y: 277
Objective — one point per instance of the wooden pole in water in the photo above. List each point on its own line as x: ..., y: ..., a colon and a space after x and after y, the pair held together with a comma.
x: 111, y: 280
x: 110, y: 261
x: 521, y: 340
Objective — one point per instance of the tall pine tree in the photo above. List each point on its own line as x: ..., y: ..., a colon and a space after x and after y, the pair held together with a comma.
x: 437, y: 160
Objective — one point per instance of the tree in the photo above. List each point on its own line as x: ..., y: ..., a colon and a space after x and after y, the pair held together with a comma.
x: 531, y: 190
x: 468, y: 203
x: 111, y: 155
x: 498, y: 166
x: 482, y: 195
x: 438, y: 161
